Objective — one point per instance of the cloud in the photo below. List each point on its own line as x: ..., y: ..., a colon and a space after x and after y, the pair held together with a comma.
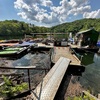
x: 44, y: 11
x: 79, y: 10
x: 47, y: 3
x: 93, y: 14
x: 77, y: 3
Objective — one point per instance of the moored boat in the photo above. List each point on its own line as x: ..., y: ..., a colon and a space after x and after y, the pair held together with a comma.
x: 13, y: 51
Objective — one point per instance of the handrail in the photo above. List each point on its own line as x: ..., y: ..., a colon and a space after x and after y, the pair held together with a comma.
x: 28, y: 68
x: 24, y: 67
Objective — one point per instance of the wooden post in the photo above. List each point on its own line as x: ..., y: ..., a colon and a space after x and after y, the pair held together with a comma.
x: 29, y: 79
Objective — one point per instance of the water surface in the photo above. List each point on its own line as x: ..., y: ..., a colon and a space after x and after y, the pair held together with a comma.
x: 91, y: 77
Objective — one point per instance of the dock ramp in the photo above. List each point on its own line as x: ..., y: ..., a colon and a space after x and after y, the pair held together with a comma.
x: 48, y: 87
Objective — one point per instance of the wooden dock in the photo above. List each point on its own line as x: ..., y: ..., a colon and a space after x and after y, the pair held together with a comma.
x: 61, y: 52
x: 65, y: 52
x: 44, y: 45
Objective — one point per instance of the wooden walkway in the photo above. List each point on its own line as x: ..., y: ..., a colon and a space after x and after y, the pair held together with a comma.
x: 48, y: 87
x: 65, y: 52
x: 62, y: 52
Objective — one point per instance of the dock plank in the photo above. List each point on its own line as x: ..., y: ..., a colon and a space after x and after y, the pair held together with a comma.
x: 65, y: 52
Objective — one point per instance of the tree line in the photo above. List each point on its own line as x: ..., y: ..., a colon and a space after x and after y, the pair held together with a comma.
x: 15, y: 27
x: 78, y: 25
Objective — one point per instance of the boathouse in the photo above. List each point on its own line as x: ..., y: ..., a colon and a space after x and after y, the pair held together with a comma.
x: 87, y: 38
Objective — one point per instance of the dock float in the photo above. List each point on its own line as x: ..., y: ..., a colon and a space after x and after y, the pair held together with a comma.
x: 48, y: 87
x: 65, y: 52
x: 44, y: 45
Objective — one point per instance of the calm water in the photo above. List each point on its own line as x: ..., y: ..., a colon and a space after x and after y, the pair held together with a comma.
x: 91, y: 77
x: 33, y: 59
x: 41, y: 60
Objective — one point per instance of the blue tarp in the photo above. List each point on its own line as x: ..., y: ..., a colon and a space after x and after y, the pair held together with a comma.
x: 25, y: 44
x: 98, y: 43
x: 71, y: 40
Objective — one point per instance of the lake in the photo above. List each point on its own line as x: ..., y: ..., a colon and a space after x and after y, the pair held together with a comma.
x: 91, y: 77
x: 38, y: 59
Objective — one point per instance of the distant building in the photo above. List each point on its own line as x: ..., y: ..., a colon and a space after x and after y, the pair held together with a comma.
x: 87, y: 38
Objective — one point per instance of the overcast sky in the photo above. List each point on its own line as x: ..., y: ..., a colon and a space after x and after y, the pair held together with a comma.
x: 49, y: 12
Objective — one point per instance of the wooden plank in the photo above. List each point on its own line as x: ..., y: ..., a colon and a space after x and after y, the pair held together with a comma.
x: 8, y: 73
x: 65, y: 52
x: 47, y: 89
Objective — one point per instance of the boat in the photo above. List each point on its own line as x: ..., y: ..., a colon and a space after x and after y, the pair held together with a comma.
x: 28, y: 44
x: 13, y: 51
x: 6, y: 43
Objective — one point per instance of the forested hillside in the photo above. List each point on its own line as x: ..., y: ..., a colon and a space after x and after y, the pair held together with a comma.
x: 77, y: 26
x: 14, y: 27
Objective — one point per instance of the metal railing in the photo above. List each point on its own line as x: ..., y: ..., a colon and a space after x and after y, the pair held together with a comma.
x: 28, y: 68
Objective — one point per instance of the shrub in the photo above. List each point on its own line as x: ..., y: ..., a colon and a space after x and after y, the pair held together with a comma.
x: 9, y: 89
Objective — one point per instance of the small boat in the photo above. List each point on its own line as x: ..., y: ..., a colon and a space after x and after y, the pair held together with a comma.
x: 13, y: 51
x: 26, y: 44
x: 8, y: 43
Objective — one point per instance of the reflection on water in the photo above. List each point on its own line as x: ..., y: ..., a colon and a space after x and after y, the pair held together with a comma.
x: 97, y: 60
x: 87, y: 58
x: 91, y: 77
x: 41, y: 60
x: 37, y: 59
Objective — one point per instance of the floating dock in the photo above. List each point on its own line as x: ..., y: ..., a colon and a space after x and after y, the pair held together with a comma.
x: 50, y: 45
x: 65, y: 52
x: 60, y: 51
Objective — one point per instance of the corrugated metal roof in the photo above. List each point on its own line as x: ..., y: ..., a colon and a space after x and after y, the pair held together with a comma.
x: 85, y: 31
